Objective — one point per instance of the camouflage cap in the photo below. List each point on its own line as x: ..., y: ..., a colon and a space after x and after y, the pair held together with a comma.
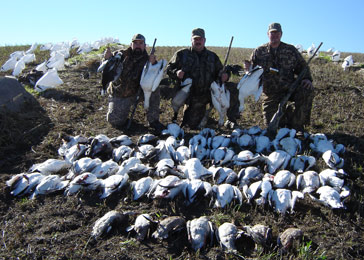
x: 198, y: 32
x: 138, y: 37
x: 274, y: 27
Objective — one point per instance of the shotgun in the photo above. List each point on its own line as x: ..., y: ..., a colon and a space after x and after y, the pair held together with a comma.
x: 274, y: 122
x: 140, y: 89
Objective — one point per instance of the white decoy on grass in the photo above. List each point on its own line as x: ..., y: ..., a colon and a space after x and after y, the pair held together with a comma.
x: 9, y: 64
x: 48, y: 80
x: 348, y: 61
x: 335, y: 56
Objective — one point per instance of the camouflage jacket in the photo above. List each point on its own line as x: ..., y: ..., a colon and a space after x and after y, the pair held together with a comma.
x: 280, y: 66
x: 128, y: 83
x: 203, y: 68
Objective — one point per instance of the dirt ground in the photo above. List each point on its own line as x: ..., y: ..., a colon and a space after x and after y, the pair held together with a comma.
x: 59, y: 227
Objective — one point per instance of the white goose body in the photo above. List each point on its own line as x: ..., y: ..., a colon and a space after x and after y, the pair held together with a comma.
x: 141, y: 187
x: 220, y: 97
x: 199, y: 231
x: 283, y: 199
x: 284, y: 179
x: 50, y: 184
x: 308, y: 181
x: 113, y: 184
x: 225, y: 193
x: 105, y: 169
x: 227, y: 234
x: 50, y: 166
x: 249, y: 85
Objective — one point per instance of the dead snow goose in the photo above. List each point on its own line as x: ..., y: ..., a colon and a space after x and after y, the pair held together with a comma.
x: 250, y: 84
x: 284, y: 179
x: 226, y: 235
x: 151, y: 78
x: 220, y: 99
x: 113, y: 184
x: 283, y: 199
x: 105, y: 169
x: 86, y: 181
x: 308, y: 181
x: 141, y: 187
x: 23, y: 183
x: 142, y: 226
x: 200, y: 231
x: 181, y: 96
x: 225, y: 193
x: 168, y: 227
x: 333, y: 160
x: 194, y: 188
x: 277, y: 160
x: 112, y: 219
x: 50, y: 166
x: 328, y: 196
x: 49, y: 184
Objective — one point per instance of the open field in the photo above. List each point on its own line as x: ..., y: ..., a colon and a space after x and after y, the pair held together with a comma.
x: 59, y: 227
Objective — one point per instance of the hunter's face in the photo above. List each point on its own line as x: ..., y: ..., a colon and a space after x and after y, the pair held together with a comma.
x: 198, y: 43
x: 274, y: 37
x: 138, y: 46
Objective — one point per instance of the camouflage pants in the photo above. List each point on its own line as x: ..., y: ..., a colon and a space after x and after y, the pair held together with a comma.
x: 119, y: 108
x: 297, y: 113
x: 194, y: 112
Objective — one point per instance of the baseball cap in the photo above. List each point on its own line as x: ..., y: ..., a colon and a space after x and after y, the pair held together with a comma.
x: 198, y: 32
x: 137, y: 37
x: 274, y: 27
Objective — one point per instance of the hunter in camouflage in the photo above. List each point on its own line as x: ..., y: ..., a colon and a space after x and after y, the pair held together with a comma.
x: 281, y: 63
x: 203, y: 67
x: 123, y: 90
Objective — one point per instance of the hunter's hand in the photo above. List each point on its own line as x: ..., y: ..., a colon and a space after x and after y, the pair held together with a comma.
x: 180, y: 74
x: 307, y: 84
x: 152, y: 59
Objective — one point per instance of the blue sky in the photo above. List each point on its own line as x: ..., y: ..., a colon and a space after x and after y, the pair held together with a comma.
x: 337, y: 24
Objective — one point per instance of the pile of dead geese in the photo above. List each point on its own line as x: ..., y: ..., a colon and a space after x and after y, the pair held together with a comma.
x: 245, y: 166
